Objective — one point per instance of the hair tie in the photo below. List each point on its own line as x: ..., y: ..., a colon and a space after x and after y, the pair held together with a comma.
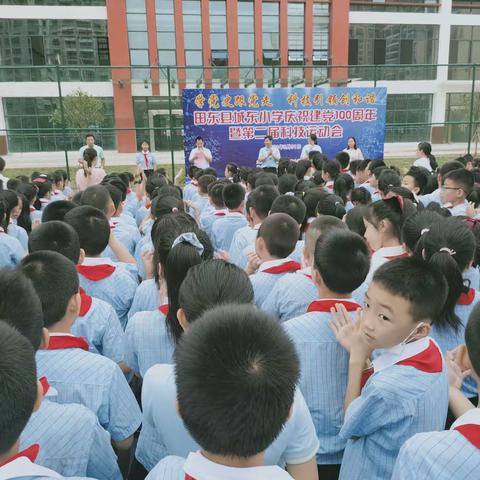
x: 174, y: 210
x: 448, y: 250
x: 425, y: 230
x: 191, y: 239
x: 289, y: 193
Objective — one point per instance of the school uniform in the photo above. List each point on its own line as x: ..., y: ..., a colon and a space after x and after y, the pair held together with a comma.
x: 108, y: 281
x: 429, y: 198
x: 146, y: 299
x: 97, y: 382
x: 201, y: 203
x: 297, y: 253
x: 72, y: 441
x: 11, y: 250
x: 57, y: 195
x: 19, y: 233
x: 243, y: 241
x: 142, y: 212
x: 224, y: 229
x: 328, y: 187
x: 190, y: 190
x: 98, y: 323
x: 368, y: 187
x: 127, y: 235
x: 472, y: 275
x: 144, y: 245
x: 407, y: 393
x: 146, y: 161
x: 458, y: 210
x: 383, y: 255
x: 209, y: 217
x: 163, y: 432
x: 451, y: 454
x: 324, y: 374
x: 35, y: 215
x: 148, y: 341
x: 132, y: 203
x: 198, y: 467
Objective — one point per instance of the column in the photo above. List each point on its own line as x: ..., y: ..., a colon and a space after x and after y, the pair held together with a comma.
x: 206, y: 44
x: 232, y: 42
x: 152, y: 46
x: 339, y: 36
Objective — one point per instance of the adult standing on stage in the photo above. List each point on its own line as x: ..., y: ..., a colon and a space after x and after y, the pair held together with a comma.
x: 311, y: 146
x: 353, y: 151
x: 145, y: 160
x: 268, y: 156
x: 90, y: 143
x: 200, y: 156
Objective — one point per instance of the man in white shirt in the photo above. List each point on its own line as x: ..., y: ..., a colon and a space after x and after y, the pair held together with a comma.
x: 90, y: 143
x: 268, y: 156
x: 200, y: 156
x: 3, y: 179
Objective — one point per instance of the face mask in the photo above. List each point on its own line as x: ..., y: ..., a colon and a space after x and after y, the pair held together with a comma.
x: 398, y: 349
x: 412, y: 333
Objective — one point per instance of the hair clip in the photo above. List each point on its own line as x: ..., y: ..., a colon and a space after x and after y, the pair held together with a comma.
x: 425, y: 230
x: 290, y: 193
x: 448, y: 250
x: 174, y: 210
x: 191, y: 239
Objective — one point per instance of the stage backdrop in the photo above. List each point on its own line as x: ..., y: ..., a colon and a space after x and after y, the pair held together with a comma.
x: 234, y: 122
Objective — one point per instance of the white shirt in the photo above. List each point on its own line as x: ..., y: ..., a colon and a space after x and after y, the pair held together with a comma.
x: 4, y: 181
x: 200, y: 158
x: 22, y: 467
x: 354, y: 153
x: 381, y: 256
x: 309, y: 148
x: 100, y: 154
x: 423, y: 162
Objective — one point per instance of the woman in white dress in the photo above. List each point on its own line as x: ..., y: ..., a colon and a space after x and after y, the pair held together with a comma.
x: 425, y: 158
x: 353, y: 151
x: 311, y: 146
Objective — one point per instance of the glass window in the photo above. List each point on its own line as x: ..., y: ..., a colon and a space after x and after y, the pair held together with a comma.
x: 421, y: 6
x: 165, y: 40
x: 165, y: 23
x: 192, y: 26
x: 270, y: 26
x: 218, y: 25
x: 137, y: 22
x: 74, y: 3
x: 139, y: 57
x: 167, y: 57
x: 136, y: 6
x: 138, y: 40
x: 464, y: 48
x: 246, y: 41
x: 245, y: 7
x: 164, y: 6
x: 191, y: 7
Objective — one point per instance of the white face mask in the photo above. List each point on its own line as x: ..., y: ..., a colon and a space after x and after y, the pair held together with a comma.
x: 399, y: 349
x: 412, y: 333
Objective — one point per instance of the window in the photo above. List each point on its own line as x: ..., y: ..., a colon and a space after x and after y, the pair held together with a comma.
x: 464, y: 48
x: 458, y: 110
x: 466, y: 6
x: 270, y: 37
x: 138, y: 38
x: 421, y: 6
x: 192, y: 25
x: 246, y: 39
x: 136, y: 6
x: 74, y: 3
x: 166, y: 41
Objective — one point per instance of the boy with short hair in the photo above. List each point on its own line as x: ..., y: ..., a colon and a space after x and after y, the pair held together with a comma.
x: 343, y: 158
x: 406, y: 390
x: 340, y: 264
x: 258, y: 206
x: 416, y: 180
x: 276, y: 240
x: 200, y: 201
x: 456, y: 187
x: 100, y: 277
x: 229, y: 411
x: 57, y: 210
x: 224, y: 229
x: 79, y: 375
x: 217, y: 208
x: 453, y: 453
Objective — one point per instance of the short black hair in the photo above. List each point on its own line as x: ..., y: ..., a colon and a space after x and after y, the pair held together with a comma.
x: 55, y: 236
x: 92, y: 228
x: 234, y: 361
x: 343, y: 158
x: 280, y: 233
x: 332, y: 167
x: 170, y: 191
x: 331, y: 205
x: 116, y: 180
x: 20, y: 306
x: 265, y: 178
x: 204, y: 182
x: 417, y: 225
x: 89, y: 135
x: 302, y: 168
x: 62, y: 282
x: 449, y: 167
x: 342, y: 259
x: 290, y: 205
x: 373, y: 164
x: 472, y: 338
x: 57, y: 210
x: 166, y: 205
x: 153, y: 182
x: 354, y: 219
x: 424, y: 287
x: 215, y: 192
x: 287, y: 183
x: 388, y: 178
x: 233, y: 195
x: 268, y: 137
x: 261, y: 200
x: 115, y: 195
x: 461, y: 177
x: 18, y: 385
x: 311, y: 198
x: 97, y: 196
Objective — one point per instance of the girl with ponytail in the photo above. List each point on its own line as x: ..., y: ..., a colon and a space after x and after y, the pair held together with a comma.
x: 425, y: 158
x: 11, y: 251
x: 87, y: 175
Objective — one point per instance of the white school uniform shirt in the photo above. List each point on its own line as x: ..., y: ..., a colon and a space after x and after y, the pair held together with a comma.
x: 19, y: 233
x: 472, y: 274
x: 163, y: 432
x: 429, y: 198
x: 97, y: 382
x: 309, y: 148
x: 354, y: 154
x: 190, y: 190
x: 11, y: 250
x: 146, y: 299
x: 209, y: 216
x: 198, y: 467
x: 457, y: 210
x: 224, y: 229
x: 72, y: 441
x: 383, y: 255
x: 423, y: 162
x: 444, y: 455
x: 406, y: 394
x: 203, y: 159
x: 242, y: 243
x: 4, y: 181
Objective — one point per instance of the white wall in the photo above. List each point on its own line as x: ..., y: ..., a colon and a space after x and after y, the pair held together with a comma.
x: 52, y: 12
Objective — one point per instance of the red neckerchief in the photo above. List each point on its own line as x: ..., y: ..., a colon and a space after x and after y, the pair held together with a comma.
x: 148, y: 205
x: 145, y: 155
x: 194, y: 183
x: 471, y: 432
x: 32, y: 209
x: 329, y: 185
x: 286, y: 267
x: 188, y: 477
x: 466, y: 298
x: 327, y: 304
x: 45, y: 385
x: 393, y: 257
x: 308, y: 276
x: 429, y: 361
x: 219, y: 214
x: 85, y: 304
x: 95, y: 272
x: 60, y: 342
x: 344, y: 170
x: 164, y: 309
x: 31, y: 453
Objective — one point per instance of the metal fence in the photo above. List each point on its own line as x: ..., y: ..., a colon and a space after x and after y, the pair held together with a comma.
x: 156, y: 97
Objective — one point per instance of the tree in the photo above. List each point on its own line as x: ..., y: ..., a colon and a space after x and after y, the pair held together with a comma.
x: 82, y: 113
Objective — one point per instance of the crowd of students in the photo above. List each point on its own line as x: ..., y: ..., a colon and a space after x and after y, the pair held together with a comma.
x: 320, y: 322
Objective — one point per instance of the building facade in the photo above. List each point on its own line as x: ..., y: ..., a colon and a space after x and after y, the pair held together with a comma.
x: 138, y: 55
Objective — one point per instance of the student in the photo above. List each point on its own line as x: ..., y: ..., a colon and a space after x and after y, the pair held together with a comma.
x: 287, y: 183
x: 232, y: 439
x: 44, y: 192
x: 216, y: 208
x: 100, y: 277
x: 361, y: 173
x: 3, y: 179
x: 294, y: 292
x: 330, y: 171
x: 343, y: 187
x: 456, y: 187
x: 224, y: 229
x: 352, y: 149
x: 88, y: 175
x: 90, y: 144
x: 12, y: 202
x: 258, y: 206
x: 354, y: 219
x: 79, y: 375
x: 57, y: 210
x: 145, y: 160
x: 29, y: 191
x: 331, y: 205
x: 151, y: 184
x: 200, y: 203
x: 387, y: 180
x: 58, y: 186
x: 54, y: 426
x: 425, y: 158
x: 276, y: 240
x: 340, y: 265
x: 453, y: 453
x: 311, y: 198
x: 149, y: 335
x: 97, y: 321
x: 311, y: 146
x: 11, y: 250
x: 371, y: 184
x: 383, y: 222
x: 191, y: 181
x: 360, y: 196
x: 416, y: 180
x: 416, y: 226
x: 343, y: 158
x: 406, y: 390
x: 231, y: 172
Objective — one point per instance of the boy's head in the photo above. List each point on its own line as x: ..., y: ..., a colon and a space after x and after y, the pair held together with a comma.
x: 92, y: 228
x: 145, y: 146
x: 448, y: 167
x: 2, y: 164
x: 57, y: 210
x: 233, y: 196
x: 373, y: 164
x: 215, y: 194
x: 330, y: 170
x: 290, y: 205
x: 277, y: 236
x: 361, y: 172
x: 20, y: 393
x: 59, y: 295
x: 234, y: 361
x: 260, y: 200
x: 319, y: 227
x: 416, y: 180
x: 404, y: 297
x: 387, y: 179
x: 99, y: 197
x: 204, y: 182
x: 58, y: 237
x: 287, y: 183
x: 456, y: 187
x: 343, y: 158
x: 20, y: 306
x: 116, y: 196
x: 341, y: 261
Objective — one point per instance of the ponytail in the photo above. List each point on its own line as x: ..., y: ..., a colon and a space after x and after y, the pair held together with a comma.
x: 426, y: 148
